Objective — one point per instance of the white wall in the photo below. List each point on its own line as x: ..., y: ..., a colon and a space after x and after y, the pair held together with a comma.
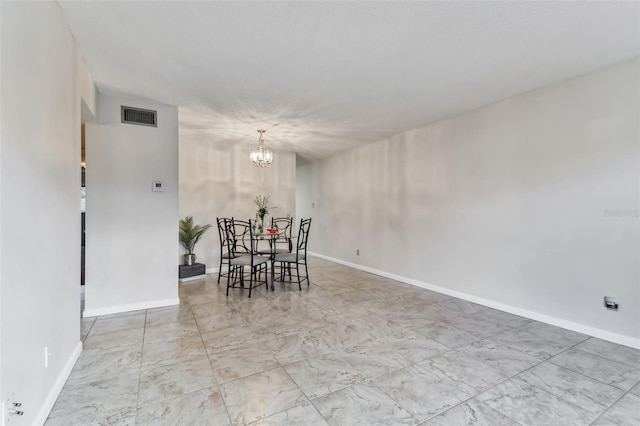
x: 39, y: 193
x: 223, y: 183
x: 87, y: 90
x: 131, y: 232
x: 305, y: 203
x: 509, y: 204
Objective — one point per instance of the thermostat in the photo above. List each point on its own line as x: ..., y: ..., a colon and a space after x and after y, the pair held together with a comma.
x: 157, y: 186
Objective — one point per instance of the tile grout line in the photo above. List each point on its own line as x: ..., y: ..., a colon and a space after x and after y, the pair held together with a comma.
x: 555, y: 396
x: 140, y: 366
x: 209, y: 293
x: 598, y: 356
x: 218, y: 384
x: 488, y: 337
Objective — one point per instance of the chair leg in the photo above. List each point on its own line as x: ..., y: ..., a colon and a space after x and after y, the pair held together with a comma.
x: 228, y: 280
x: 298, y: 273
x: 273, y: 263
x: 223, y: 263
x: 306, y: 271
x: 240, y: 275
x: 266, y: 276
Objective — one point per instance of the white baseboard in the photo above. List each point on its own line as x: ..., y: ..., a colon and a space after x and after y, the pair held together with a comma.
x: 51, y: 398
x: 558, y: 322
x: 212, y: 270
x: 194, y: 278
x: 127, y: 308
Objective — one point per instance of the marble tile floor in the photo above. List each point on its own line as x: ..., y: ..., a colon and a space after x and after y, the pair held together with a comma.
x: 350, y: 349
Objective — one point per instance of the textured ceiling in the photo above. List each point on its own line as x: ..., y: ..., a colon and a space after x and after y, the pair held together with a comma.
x: 323, y: 77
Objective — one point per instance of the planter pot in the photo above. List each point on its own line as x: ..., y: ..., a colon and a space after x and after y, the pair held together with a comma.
x: 189, y: 259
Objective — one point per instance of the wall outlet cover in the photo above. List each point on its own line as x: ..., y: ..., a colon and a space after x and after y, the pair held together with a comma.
x: 611, y: 303
x: 157, y: 186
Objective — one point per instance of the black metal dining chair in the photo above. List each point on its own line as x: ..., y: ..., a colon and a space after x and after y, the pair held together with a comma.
x: 282, y: 243
x: 225, y: 234
x: 286, y: 261
x: 245, y: 257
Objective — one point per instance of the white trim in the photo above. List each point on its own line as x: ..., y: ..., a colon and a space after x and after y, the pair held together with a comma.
x: 569, y: 325
x: 212, y: 270
x: 51, y: 398
x: 132, y: 307
x: 194, y: 278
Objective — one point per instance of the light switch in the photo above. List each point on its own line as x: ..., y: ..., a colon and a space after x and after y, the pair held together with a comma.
x: 157, y: 186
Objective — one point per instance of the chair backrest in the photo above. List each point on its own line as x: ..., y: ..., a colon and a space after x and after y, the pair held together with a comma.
x: 303, y: 237
x: 283, y: 225
x: 224, y: 233
x: 243, y: 241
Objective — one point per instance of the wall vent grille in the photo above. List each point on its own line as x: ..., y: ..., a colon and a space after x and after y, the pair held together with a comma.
x: 141, y: 117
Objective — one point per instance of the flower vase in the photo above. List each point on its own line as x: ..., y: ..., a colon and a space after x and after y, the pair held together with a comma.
x: 261, y: 225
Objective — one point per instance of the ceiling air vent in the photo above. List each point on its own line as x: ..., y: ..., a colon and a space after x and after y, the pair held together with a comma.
x: 142, y: 117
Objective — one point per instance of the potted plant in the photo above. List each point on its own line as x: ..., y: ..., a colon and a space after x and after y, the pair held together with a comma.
x: 262, y: 202
x: 189, y: 236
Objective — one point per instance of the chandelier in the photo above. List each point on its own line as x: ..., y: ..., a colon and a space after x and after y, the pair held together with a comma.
x: 261, y: 156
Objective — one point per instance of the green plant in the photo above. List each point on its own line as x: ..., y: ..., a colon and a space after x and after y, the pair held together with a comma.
x: 190, y: 233
x: 263, y: 206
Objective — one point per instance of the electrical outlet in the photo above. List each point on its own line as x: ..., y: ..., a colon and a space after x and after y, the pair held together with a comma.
x: 357, y: 252
x: 10, y: 410
x: 611, y: 303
